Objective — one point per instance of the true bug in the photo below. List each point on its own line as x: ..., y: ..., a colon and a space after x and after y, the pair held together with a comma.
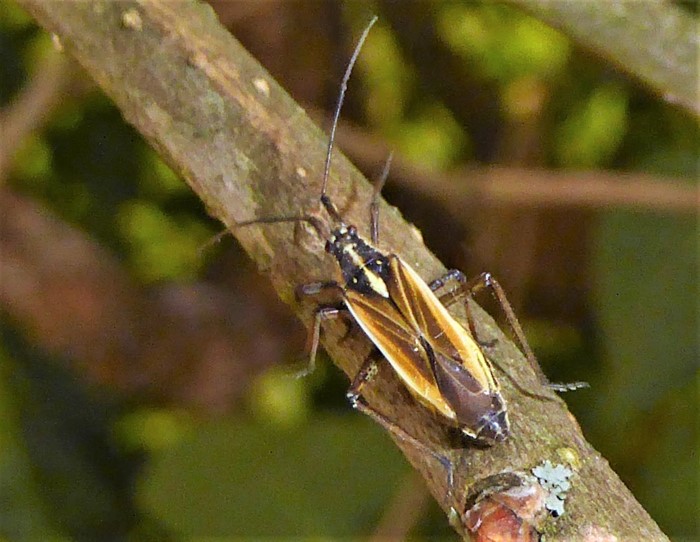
x: 437, y: 359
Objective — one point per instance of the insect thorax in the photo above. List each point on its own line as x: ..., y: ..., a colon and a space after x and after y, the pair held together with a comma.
x: 363, y: 267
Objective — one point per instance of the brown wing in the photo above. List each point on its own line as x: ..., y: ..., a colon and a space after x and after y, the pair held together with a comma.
x: 401, y: 346
x: 455, y: 348
x: 460, y: 371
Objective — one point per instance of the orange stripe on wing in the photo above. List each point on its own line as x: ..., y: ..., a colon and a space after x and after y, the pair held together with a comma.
x: 401, y: 346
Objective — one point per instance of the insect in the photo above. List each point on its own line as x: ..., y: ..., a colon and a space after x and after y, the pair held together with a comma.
x: 438, y: 360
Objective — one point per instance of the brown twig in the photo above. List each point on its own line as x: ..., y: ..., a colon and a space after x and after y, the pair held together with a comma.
x: 525, y: 187
x: 248, y: 151
x: 28, y: 110
x: 407, y: 506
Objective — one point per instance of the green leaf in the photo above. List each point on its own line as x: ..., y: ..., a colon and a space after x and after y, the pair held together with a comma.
x: 234, y: 478
x: 594, y: 130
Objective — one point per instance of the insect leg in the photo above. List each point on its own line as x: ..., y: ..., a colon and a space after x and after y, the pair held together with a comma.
x: 452, y: 274
x: 455, y: 294
x: 321, y: 314
x: 315, y: 288
x: 487, y: 280
x: 364, y: 376
x: 470, y: 288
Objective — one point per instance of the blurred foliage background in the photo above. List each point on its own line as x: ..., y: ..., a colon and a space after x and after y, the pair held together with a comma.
x: 144, y: 382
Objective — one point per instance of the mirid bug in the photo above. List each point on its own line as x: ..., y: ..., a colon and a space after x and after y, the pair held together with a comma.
x: 438, y: 360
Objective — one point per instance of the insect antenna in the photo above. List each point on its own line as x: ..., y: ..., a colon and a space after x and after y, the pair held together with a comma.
x: 315, y: 222
x: 325, y: 200
x: 374, y: 206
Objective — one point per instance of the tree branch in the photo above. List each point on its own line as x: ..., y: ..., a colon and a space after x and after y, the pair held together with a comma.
x: 656, y: 42
x: 524, y: 187
x: 28, y: 110
x: 249, y: 151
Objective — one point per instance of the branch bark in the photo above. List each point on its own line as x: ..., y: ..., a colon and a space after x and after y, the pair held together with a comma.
x: 248, y: 151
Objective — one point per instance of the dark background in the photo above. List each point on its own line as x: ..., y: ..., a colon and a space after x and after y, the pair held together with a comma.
x: 144, y: 375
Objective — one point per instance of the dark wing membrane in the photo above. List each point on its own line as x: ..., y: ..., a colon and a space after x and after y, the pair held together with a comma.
x: 471, y: 403
x: 401, y: 346
x: 454, y: 347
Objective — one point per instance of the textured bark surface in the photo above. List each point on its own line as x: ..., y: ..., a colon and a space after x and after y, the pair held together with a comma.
x: 249, y: 151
